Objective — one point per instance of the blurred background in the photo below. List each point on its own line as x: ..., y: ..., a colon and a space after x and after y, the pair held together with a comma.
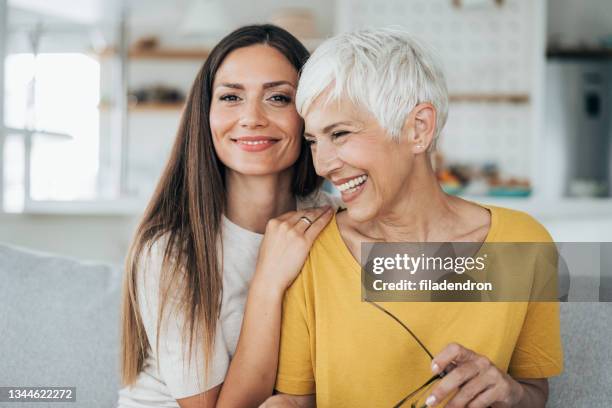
x: 91, y: 93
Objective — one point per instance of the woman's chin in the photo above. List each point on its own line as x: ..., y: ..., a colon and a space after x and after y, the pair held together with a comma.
x: 257, y: 169
x: 360, y: 213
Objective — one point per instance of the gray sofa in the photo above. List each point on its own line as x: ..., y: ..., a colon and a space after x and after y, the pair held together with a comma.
x: 60, y: 323
x: 59, y: 326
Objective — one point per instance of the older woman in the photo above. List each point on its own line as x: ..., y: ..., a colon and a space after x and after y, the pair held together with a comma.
x: 374, y: 103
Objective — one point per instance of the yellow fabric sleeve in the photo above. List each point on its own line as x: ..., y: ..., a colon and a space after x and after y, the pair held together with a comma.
x: 538, y: 352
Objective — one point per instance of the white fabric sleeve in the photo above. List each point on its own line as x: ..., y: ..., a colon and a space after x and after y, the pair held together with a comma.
x: 184, y: 375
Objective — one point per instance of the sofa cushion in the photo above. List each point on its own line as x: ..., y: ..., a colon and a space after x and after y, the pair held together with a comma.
x: 586, y: 330
x: 60, y: 324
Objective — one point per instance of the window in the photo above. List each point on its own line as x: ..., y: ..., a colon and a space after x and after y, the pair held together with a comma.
x: 54, y: 97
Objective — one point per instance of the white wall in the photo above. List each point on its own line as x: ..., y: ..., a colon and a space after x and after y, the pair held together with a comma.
x: 579, y: 21
x: 582, y: 228
x: 484, y: 50
x: 106, y: 238
x: 99, y: 238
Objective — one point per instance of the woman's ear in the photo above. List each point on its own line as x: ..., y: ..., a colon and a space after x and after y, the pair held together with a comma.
x: 423, y: 117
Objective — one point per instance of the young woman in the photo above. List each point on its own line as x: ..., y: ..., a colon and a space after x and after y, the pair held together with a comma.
x: 238, y: 162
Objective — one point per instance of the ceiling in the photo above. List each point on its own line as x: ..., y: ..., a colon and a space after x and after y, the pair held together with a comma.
x: 93, y: 24
x: 159, y: 13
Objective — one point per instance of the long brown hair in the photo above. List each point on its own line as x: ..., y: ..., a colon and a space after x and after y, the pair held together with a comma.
x: 186, y: 210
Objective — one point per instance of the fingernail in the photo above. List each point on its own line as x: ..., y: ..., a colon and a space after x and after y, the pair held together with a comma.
x: 435, y: 368
x: 430, y: 401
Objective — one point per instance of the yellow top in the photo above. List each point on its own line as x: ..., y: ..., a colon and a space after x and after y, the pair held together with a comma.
x: 353, y: 355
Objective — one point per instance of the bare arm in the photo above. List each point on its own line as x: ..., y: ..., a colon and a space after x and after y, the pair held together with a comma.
x: 290, y: 401
x: 203, y: 400
x: 535, y: 392
x: 252, y: 373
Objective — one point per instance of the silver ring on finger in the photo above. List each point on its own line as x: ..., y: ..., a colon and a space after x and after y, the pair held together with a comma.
x: 306, y: 220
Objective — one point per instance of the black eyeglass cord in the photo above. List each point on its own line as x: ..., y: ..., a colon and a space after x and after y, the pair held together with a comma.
x: 376, y: 305
x: 432, y: 379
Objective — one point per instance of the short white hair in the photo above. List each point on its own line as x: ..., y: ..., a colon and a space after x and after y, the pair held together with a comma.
x: 385, y: 71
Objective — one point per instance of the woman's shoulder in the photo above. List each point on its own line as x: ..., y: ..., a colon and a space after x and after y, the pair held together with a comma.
x: 156, y: 256
x: 329, y: 242
x: 511, y: 225
x: 154, y: 251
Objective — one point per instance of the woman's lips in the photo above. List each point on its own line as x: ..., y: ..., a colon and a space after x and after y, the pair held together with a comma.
x: 254, y: 144
x: 351, y: 194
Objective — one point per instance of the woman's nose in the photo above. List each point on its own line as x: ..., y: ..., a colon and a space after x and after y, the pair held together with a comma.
x: 325, y: 158
x: 253, y: 116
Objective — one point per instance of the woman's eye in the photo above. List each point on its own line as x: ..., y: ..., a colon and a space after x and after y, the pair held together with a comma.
x: 229, y: 98
x: 310, y: 142
x: 339, y: 133
x: 280, y: 98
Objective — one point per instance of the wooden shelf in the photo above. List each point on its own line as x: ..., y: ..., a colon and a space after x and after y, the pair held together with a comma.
x: 156, y: 106
x: 490, y: 98
x: 162, y: 53
x: 580, y: 53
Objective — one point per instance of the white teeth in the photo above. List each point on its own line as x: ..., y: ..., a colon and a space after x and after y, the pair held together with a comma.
x: 258, y: 142
x: 352, y: 185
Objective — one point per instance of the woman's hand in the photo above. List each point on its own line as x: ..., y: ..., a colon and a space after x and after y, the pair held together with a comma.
x: 475, y: 378
x: 282, y: 253
x: 290, y: 401
x: 286, y: 244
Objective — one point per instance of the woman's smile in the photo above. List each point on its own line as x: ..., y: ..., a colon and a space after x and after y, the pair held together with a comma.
x: 255, y: 127
x: 351, y: 187
x: 254, y: 143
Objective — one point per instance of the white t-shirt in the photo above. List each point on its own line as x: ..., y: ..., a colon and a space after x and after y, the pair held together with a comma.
x: 172, y: 376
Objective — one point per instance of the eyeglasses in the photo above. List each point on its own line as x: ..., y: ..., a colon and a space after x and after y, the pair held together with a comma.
x: 417, y: 397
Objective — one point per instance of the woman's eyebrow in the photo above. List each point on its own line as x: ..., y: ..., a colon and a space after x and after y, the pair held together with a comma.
x: 328, y: 128
x: 266, y: 85
x: 277, y: 83
x: 230, y: 85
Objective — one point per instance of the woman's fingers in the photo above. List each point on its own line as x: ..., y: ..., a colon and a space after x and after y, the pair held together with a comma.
x: 460, y: 375
x: 286, y: 243
x: 305, y: 219
x: 474, y: 377
x: 484, y: 399
x: 472, y: 390
x: 453, y: 353
x: 293, y: 217
x: 317, y: 226
x: 286, y: 216
x: 451, y: 360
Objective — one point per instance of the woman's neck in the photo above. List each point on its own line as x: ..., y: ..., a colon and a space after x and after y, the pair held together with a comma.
x: 253, y: 200
x: 421, y: 212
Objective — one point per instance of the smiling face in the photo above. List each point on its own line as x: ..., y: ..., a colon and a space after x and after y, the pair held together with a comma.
x: 358, y: 156
x: 255, y: 127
